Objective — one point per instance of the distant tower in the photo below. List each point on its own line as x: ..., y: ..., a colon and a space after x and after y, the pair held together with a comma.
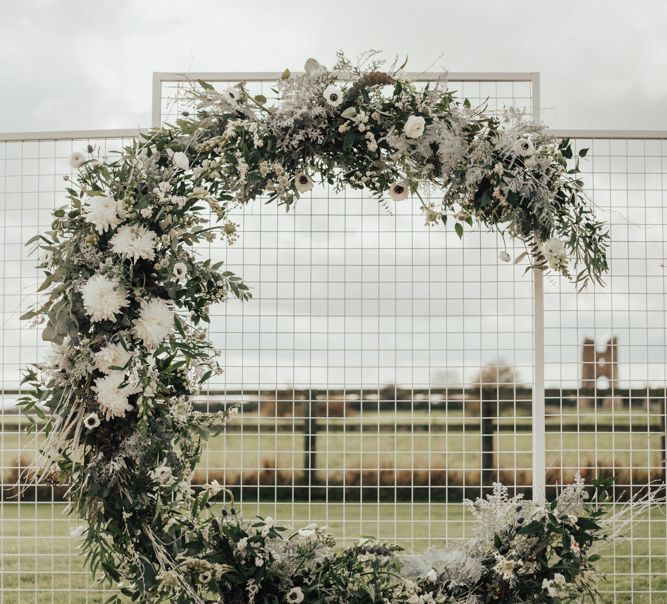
x: 596, y: 364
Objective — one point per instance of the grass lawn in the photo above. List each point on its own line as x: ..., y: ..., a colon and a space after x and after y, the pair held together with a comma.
x: 40, y: 563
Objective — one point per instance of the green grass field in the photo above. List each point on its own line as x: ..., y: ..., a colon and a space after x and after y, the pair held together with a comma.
x: 443, y: 446
x: 40, y: 563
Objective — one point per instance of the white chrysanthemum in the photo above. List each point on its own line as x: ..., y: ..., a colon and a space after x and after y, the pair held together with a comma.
x: 103, y: 298
x: 414, y: 126
x: 399, y: 191
x: 77, y: 159
x: 134, y: 241
x: 333, y: 95
x: 112, y: 355
x: 112, y: 398
x: 103, y: 212
x: 181, y: 161
x: 524, y: 147
x: 303, y: 182
x: 155, y: 323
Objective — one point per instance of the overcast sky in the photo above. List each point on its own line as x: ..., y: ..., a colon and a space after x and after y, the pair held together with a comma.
x: 74, y: 65
x: 77, y: 64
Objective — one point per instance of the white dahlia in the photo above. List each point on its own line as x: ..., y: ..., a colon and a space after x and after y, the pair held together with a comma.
x: 399, y: 191
x: 113, y: 399
x: 112, y: 355
x: 103, y: 298
x: 103, y: 212
x: 155, y: 322
x: 414, y: 126
x: 134, y: 241
x: 303, y: 182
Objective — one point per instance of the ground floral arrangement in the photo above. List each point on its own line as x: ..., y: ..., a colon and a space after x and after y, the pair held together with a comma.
x: 126, y: 300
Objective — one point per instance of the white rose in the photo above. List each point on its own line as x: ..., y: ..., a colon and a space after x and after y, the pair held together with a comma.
x: 414, y: 127
x: 181, y: 161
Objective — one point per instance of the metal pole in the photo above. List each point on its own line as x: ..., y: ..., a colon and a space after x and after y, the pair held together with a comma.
x: 539, y: 427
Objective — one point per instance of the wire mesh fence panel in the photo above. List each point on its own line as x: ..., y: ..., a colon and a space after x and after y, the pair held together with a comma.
x: 606, y: 353
x: 39, y: 559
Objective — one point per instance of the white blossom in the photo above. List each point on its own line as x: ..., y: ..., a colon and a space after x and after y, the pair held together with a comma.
x: 399, y: 191
x: 554, y: 253
x: 91, y: 421
x: 155, y: 322
x: 112, y: 355
x: 524, y: 147
x: 103, y: 298
x: 414, y: 126
x: 134, y: 241
x: 77, y: 159
x: 504, y: 256
x: 180, y: 271
x: 180, y: 160
x: 102, y: 211
x: 163, y: 475
x: 303, y: 182
x: 113, y: 398
x: 333, y: 95
x: 295, y: 595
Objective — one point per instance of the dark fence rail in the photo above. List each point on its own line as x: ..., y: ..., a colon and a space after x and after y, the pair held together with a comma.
x: 488, y: 411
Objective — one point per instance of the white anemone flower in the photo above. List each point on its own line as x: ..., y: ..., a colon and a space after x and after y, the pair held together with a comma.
x: 180, y: 271
x: 333, y: 95
x: 112, y: 355
x: 399, y: 191
x: 113, y: 398
x: 134, y: 241
x: 103, y: 298
x: 91, y: 421
x: 103, y: 212
x: 414, y: 126
x: 231, y: 95
x: 524, y: 147
x: 155, y: 322
x: 77, y: 159
x: 303, y: 182
x: 295, y: 595
x: 314, y: 68
x: 180, y: 160
x: 504, y: 256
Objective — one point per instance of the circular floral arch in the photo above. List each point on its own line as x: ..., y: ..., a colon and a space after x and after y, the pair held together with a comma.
x: 127, y: 299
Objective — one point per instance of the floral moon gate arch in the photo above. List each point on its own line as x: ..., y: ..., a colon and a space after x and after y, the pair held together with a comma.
x: 127, y: 297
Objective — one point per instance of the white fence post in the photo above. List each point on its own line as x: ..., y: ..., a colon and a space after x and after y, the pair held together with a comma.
x: 539, y: 429
x: 539, y: 440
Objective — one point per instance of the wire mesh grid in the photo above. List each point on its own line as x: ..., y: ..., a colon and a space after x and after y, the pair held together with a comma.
x: 357, y: 366
x: 605, y: 358
x: 39, y: 561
